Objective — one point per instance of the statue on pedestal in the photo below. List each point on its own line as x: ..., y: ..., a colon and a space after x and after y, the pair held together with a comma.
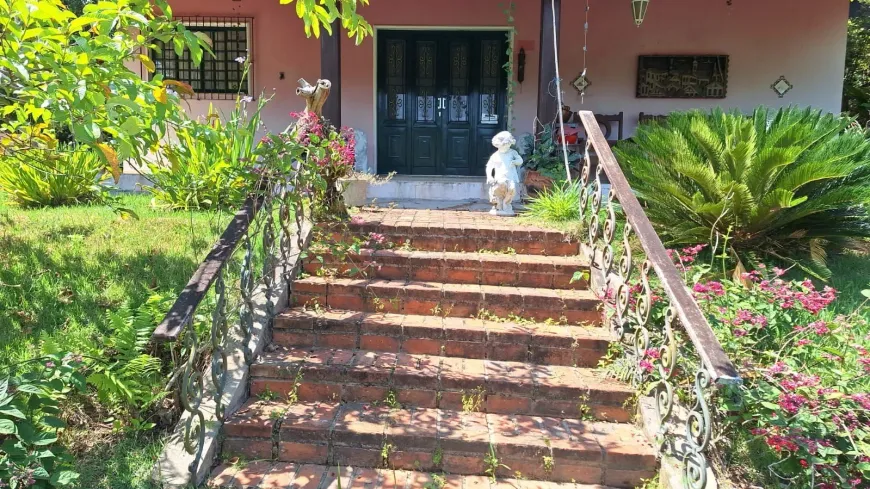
x: 501, y: 174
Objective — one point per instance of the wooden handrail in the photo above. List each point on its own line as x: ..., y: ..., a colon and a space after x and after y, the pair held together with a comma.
x: 713, y: 356
x: 184, y: 308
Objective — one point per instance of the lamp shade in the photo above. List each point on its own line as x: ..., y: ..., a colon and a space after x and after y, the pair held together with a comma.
x: 638, y: 8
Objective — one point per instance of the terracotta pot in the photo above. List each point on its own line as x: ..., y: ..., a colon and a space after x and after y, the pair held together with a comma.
x: 534, y: 182
x: 354, y: 191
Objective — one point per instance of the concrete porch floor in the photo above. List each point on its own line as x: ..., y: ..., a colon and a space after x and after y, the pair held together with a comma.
x: 472, y: 205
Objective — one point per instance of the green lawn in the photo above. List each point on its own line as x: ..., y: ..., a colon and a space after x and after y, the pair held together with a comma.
x: 64, y: 268
x: 126, y: 463
x: 851, y: 275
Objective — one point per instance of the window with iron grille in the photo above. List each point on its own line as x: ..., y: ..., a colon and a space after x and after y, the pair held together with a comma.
x: 221, y: 75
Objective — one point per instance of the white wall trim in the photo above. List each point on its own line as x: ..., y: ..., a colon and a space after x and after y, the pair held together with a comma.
x: 374, y: 139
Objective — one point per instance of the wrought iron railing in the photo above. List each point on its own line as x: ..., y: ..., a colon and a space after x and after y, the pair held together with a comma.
x: 650, y: 342
x: 236, y: 285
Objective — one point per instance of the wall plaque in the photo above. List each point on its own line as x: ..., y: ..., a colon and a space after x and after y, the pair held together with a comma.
x: 682, y: 76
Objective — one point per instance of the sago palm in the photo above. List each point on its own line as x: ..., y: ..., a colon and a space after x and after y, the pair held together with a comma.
x: 786, y: 184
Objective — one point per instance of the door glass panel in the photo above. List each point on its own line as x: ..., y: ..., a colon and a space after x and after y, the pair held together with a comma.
x: 396, y: 80
x: 490, y: 80
x: 458, y: 103
x: 426, y: 81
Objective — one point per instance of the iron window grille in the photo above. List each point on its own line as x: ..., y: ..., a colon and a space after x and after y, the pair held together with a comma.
x: 220, y: 76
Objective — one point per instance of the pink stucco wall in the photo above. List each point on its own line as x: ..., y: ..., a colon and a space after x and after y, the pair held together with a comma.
x: 279, y: 45
x: 804, y: 40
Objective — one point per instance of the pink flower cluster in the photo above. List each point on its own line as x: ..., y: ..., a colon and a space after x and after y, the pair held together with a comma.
x: 376, y: 240
x: 647, y: 362
x: 789, y: 294
x: 708, y: 290
x: 686, y: 257
x: 339, y: 153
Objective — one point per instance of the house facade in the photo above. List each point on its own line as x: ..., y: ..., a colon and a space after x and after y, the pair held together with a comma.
x: 430, y: 88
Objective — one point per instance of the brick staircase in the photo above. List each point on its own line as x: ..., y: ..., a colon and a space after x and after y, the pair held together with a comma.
x: 409, y: 378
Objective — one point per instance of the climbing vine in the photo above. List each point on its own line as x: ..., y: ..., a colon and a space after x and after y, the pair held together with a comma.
x: 509, y: 64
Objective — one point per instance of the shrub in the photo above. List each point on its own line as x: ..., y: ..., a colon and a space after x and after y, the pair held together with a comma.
x: 786, y: 184
x: 804, y: 419
x: 561, y: 203
x: 30, y: 406
x: 546, y: 155
x: 66, y: 73
x: 210, y: 164
x: 50, y: 178
x: 329, y: 152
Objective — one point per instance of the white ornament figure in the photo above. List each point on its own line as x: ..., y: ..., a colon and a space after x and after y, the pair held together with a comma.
x: 501, y: 174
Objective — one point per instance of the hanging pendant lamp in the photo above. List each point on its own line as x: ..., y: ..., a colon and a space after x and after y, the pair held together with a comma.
x: 638, y: 8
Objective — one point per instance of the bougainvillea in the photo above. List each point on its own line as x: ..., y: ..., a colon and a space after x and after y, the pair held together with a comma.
x: 331, y: 151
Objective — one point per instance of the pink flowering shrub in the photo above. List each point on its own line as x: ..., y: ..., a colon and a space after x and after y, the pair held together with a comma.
x: 330, y: 152
x: 806, y: 373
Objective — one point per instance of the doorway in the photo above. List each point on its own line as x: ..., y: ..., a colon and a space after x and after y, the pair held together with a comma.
x: 441, y: 97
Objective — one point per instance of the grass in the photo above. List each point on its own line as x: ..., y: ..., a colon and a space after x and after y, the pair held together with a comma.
x: 126, y: 463
x: 560, y: 203
x: 63, y: 268
x: 851, y: 275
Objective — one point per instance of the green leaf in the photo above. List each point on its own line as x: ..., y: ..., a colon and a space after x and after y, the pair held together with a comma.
x: 83, y: 133
x: 53, y: 422
x: 770, y: 405
x: 29, y: 388
x: 63, y: 478
x: 20, y: 69
x: 43, y: 439
x: 12, y: 411
x: 7, y: 427
x: 40, y: 473
x: 132, y: 126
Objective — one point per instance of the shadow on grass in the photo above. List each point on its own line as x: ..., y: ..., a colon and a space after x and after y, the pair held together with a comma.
x: 126, y: 463
x: 851, y: 275
x: 47, y: 294
x: 62, y: 271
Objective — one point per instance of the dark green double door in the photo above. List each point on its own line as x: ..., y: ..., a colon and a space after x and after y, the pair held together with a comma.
x: 441, y: 99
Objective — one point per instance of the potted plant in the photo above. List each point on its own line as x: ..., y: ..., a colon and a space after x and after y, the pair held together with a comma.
x: 354, y: 188
x: 545, y: 165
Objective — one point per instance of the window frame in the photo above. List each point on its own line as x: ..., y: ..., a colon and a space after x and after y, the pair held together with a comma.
x: 215, y: 24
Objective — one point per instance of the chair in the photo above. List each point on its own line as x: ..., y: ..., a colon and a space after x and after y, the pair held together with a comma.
x: 607, y: 123
x: 644, y: 118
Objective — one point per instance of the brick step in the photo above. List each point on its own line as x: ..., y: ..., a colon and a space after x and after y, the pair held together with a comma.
x: 448, y: 300
x: 363, y: 435
x: 551, y: 272
x: 286, y: 475
x: 455, y: 231
x: 539, y: 343
x: 325, y: 374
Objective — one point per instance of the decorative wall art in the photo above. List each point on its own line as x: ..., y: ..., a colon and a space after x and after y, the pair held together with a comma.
x: 682, y: 76
x: 782, y: 86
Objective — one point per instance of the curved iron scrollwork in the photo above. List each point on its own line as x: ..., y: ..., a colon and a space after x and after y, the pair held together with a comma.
x: 192, y: 393
x: 253, y: 229
x: 649, y: 303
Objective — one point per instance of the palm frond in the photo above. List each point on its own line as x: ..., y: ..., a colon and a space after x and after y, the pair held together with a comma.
x: 789, y: 182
